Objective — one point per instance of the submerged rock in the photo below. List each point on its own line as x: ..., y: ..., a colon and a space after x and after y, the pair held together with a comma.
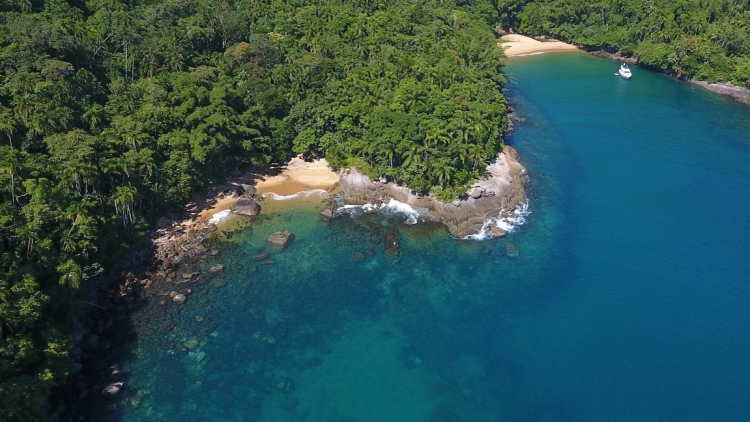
x: 392, y: 242
x: 260, y: 257
x: 180, y: 298
x: 246, y: 207
x: 279, y: 240
x: 216, y: 269
x: 511, y: 249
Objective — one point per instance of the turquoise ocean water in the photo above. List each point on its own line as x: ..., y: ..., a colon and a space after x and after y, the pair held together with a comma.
x: 629, y: 298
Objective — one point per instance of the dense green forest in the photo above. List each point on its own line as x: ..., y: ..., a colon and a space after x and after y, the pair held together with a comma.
x: 112, y: 112
x: 692, y: 39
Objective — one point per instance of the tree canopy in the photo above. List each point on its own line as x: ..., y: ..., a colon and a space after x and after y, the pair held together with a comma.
x: 111, y: 112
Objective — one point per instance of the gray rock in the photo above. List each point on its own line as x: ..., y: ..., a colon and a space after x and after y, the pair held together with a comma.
x: 279, y: 240
x: 497, y: 232
x: 216, y: 269
x: 246, y: 207
x: 475, y: 193
x: 180, y: 298
x: 113, y: 388
x: 326, y: 213
x: 248, y: 190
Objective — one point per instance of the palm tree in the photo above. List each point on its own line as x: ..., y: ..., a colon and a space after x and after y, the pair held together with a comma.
x: 442, y: 171
x: 72, y: 274
x: 124, y: 200
x: 8, y: 125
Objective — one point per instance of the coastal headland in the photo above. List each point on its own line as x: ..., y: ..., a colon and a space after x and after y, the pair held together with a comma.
x: 500, y: 191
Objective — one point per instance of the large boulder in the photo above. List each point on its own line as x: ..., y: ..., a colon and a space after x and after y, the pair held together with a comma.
x: 279, y: 240
x: 113, y: 388
x: 246, y: 207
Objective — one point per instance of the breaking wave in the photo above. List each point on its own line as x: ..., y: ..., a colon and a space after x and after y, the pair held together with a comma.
x: 392, y: 208
x: 507, y: 223
x: 304, y: 194
x: 219, y: 217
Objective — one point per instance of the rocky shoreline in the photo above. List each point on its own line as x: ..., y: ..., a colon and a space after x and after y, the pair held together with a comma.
x: 501, y: 191
x: 183, y: 259
x: 728, y: 89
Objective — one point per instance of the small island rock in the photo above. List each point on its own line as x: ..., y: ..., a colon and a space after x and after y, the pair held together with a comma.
x: 246, y: 207
x: 279, y: 240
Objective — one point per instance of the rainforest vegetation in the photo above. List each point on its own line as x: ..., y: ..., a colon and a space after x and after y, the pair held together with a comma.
x: 692, y: 39
x: 112, y: 112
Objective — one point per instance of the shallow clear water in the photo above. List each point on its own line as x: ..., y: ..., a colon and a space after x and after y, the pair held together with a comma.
x: 628, y: 299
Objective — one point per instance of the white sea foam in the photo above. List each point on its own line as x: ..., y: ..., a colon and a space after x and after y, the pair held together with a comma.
x: 530, y: 54
x: 304, y: 194
x: 219, y: 217
x: 397, y: 207
x: 517, y: 218
x: 392, y: 208
x: 507, y: 223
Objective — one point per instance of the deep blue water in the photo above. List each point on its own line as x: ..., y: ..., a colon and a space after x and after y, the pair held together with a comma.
x: 629, y: 300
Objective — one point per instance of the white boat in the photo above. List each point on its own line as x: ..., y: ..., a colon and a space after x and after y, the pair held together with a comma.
x: 624, y: 71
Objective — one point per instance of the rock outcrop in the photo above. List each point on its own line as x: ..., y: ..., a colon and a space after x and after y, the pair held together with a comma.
x: 278, y: 240
x: 502, y: 189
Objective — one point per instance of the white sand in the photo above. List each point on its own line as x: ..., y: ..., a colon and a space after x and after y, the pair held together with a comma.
x: 298, y: 176
x: 519, y: 45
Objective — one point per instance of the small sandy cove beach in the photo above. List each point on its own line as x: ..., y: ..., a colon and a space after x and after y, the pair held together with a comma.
x: 519, y: 45
x: 296, y: 176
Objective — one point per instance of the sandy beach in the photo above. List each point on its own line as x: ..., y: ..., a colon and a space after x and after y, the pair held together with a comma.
x: 519, y: 45
x: 296, y: 176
